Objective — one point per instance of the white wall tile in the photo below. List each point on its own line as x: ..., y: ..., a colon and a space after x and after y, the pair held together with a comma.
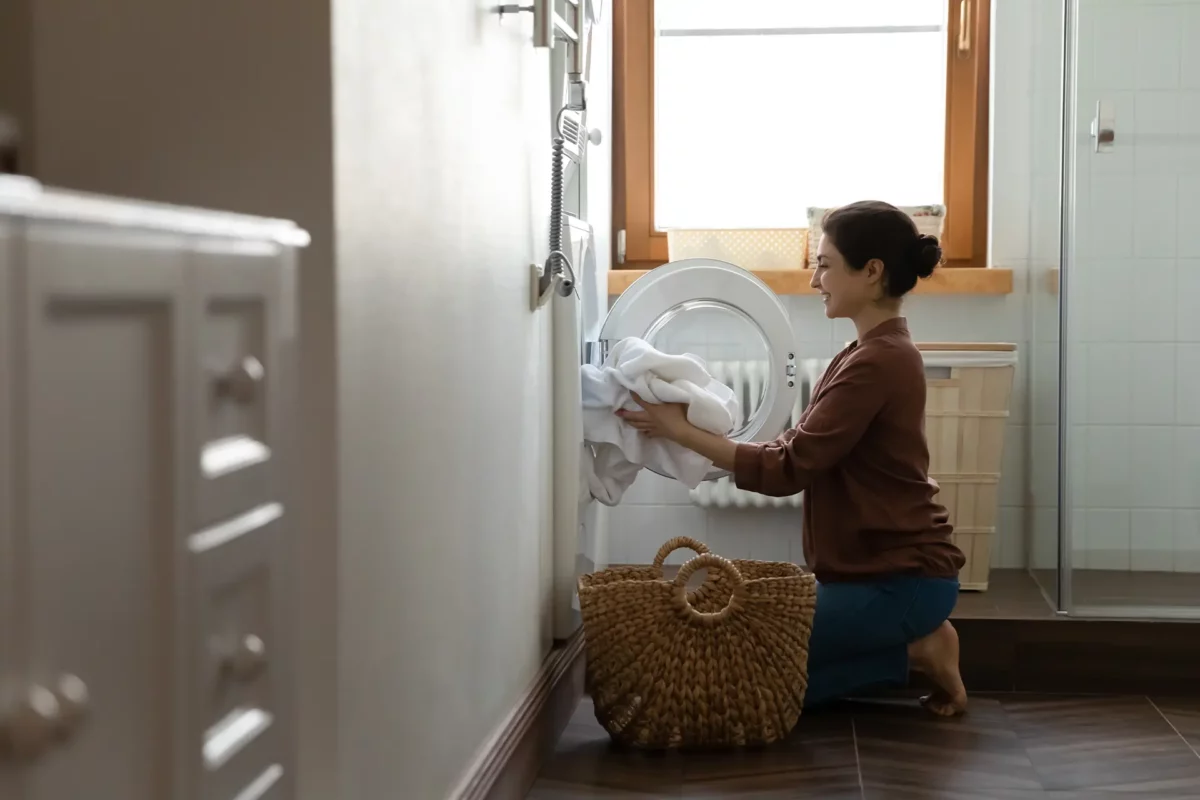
x: 1189, y: 131
x: 1152, y: 466
x: 1108, y: 466
x: 1147, y: 282
x: 1187, y: 467
x: 1103, y: 32
x: 1043, y: 465
x: 1043, y: 539
x: 1155, y: 215
x: 1187, y: 383
x: 1152, y: 384
x: 761, y: 534
x: 1187, y: 297
x: 1008, y: 545
x: 1106, y: 378
x: 1156, y: 132
x: 636, y: 532
x: 1187, y: 540
x: 1108, y: 537
x: 1103, y: 312
x: 1159, y: 46
x: 1107, y: 225
x: 1014, y: 480
x: 1189, y: 62
x: 1189, y: 212
x: 1152, y: 539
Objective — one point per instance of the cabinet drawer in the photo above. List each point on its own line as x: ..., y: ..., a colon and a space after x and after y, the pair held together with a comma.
x: 241, y: 679
x: 237, y: 380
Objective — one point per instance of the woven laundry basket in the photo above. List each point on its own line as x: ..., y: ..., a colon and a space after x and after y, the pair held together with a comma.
x: 722, y: 665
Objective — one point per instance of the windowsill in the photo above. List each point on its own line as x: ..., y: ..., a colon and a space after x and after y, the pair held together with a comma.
x: 949, y: 280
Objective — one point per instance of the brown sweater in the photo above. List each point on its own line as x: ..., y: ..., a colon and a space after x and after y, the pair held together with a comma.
x: 860, y: 455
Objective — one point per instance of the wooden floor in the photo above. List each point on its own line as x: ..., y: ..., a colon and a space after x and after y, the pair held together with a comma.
x: 1008, y: 747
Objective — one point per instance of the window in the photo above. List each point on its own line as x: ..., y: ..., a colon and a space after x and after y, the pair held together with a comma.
x: 744, y: 114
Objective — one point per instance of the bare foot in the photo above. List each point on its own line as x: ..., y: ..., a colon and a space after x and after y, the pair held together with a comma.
x: 936, y: 656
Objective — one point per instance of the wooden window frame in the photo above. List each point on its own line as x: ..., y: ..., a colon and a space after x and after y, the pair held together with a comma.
x: 965, y: 236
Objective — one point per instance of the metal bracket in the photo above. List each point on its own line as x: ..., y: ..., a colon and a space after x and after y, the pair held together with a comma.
x: 543, y: 282
x: 549, y: 26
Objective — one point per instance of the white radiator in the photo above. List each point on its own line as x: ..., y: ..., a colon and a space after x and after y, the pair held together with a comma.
x: 746, y: 379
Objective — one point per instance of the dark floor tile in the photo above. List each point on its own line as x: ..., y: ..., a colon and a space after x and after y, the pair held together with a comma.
x: 903, y: 747
x: 816, y: 761
x: 586, y: 757
x: 1113, y: 744
x: 546, y: 789
x: 875, y: 792
x: 1184, y: 715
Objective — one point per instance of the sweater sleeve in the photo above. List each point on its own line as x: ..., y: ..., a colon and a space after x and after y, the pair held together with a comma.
x: 835, y: 422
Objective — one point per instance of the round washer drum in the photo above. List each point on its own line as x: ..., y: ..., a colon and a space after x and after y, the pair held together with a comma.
x: 665, y: 293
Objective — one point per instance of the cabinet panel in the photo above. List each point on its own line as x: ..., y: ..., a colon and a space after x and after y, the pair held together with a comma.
x: 105, y: 542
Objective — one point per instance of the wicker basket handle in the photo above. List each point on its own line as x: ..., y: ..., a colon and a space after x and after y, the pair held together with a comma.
x: 679, y: 542
x: 710, y: 561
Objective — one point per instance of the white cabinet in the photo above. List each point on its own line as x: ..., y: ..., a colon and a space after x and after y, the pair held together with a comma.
x: 144, y: 387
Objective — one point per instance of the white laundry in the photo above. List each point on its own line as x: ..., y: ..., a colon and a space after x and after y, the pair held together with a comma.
x: 614, y: 451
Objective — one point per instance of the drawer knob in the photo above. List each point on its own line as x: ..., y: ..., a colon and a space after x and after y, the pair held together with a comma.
x: 247, y: 658
x: 31, y: 727
x: 241, y: 383
x: 74, y: 702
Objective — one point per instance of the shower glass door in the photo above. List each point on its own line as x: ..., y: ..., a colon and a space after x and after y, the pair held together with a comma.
x: 1130, y: 344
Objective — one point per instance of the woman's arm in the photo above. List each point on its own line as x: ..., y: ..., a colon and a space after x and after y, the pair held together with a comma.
x: 834, y: 425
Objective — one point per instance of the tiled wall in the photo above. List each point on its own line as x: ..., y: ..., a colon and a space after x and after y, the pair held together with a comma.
x: 1133, y: 446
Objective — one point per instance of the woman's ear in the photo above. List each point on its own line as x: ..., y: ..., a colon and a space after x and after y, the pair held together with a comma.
x: 874, y: 270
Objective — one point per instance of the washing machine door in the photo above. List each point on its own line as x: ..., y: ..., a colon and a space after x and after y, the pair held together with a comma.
x: 728, y: 317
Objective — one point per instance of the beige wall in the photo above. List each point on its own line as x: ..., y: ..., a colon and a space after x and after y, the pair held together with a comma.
x: 222, y: 104
x: 442, y: 154
x: 432, y: 604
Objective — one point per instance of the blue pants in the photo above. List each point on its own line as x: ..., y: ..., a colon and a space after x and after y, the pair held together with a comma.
x: 861, y: 633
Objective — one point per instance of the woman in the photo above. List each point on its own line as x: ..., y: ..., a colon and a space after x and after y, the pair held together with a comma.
x: 874, y: 536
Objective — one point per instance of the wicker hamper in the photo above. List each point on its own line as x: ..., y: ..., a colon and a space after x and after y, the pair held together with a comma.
x: 966, y: 412
x: 723, y: 664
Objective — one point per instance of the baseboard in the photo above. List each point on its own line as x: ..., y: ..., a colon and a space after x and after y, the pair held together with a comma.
x: 509, y: 761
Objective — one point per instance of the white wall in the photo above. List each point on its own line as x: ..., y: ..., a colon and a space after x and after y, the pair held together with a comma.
x: 442, y: 162
x: 1133, y: 342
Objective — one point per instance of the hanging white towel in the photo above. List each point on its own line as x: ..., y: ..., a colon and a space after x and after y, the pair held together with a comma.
x: 615, y: 451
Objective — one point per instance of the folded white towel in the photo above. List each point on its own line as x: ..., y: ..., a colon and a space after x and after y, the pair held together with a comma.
x: 614, y: 451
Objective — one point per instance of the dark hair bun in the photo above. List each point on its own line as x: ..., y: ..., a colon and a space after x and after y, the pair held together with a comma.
x: 925, y: 255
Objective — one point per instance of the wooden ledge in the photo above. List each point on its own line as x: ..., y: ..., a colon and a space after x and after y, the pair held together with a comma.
x: 950, y: 280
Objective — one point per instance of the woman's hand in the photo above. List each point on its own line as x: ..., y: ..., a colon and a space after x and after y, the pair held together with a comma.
x: 658, y: 420
x: 669, y: 421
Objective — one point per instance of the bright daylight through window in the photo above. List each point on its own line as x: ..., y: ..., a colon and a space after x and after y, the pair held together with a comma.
x: 763, y: 108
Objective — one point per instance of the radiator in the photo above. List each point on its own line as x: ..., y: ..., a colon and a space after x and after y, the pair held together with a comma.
x: 746, y: 379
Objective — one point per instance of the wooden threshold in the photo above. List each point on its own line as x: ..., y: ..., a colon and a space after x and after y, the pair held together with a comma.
x: 508, y: 762
x: 953, y: 280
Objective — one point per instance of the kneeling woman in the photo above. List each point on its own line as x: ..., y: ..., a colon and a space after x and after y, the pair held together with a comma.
x: 876, y: 539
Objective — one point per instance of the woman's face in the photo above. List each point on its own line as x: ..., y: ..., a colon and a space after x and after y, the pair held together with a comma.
x: 846, y: 291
